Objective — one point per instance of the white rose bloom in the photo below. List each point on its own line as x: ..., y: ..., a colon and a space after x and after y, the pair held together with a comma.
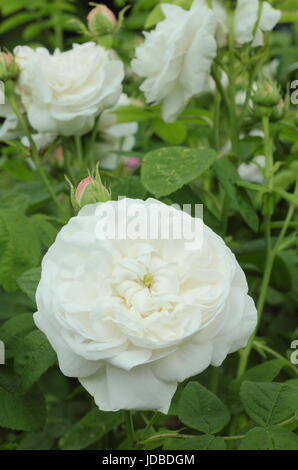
x: 176, y: 57
x: 222, y: 22
x: 132, y: 318
x: 10, y: 128
x: 246, y: 16
x: 115, y: 136
x: 41, y: 140
x: 252, y: 172
x: 64, y: 92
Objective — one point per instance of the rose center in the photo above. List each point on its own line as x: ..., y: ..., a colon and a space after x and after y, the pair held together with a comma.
x: 147, y: 280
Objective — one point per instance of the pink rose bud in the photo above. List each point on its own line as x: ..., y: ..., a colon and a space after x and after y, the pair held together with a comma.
x: 8, y: 66
x: 101, y: 20
x: 82, y: 186
x: 57, y: 155
x: 132, y: 163
x: 7, y: 58
x: 139, y: 103
x: 89, y: 191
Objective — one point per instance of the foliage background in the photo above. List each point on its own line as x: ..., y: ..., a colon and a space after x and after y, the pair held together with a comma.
x: 42, y: 409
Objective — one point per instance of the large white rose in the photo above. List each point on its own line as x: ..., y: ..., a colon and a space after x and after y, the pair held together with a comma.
x: 176, y: 57
x: 132, y: 318
x: 64, y: 92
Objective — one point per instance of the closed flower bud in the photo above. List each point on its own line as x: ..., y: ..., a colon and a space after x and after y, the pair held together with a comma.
x: 57, y: 156
x: 267, y: 94
x: 101, y: 20
x: 279, y: 110
x: 8, y: 66
x: 89, y: 191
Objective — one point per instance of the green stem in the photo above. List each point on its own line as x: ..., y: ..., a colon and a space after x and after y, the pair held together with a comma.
x: 216, y: 120
x: 270, y: 254
x: 35, y: 154
x: 150, y: 424
x: 58, y: 28
x: 214, y: 379
x: 90, y: 152
x: 130, y: 428
x: 79, y: 152
x: 232, y: 87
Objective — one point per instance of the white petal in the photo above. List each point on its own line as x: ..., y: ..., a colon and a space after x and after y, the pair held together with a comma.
x: 139, y: 389
x: 70, y: 363
x: 189, y: 359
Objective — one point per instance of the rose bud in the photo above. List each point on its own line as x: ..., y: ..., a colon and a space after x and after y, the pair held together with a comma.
x: 132, y: 163
x: 89, y: 191
x: 8, y: 66
x: 101, y: 20
x: 267, y: 94
x: 279, y: 110
x: 57, y: 156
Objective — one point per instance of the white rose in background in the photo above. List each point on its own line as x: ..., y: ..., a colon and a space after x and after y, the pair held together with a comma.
x: 64, y: 92
x: 246, y: 16
x: 132, y: 318
x: 222, y: 22
x: 41, y: 141
x: 115, y: 136
x: 252, y: 171
x: 176, y: 57
x: 10, y: 128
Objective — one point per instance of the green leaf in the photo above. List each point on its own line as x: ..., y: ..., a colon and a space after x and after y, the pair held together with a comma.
x: 206, y: 442
x: 269, y: 403
x: 174, y: 132
x: 275, y: 438
x: 265, y: 372
x: 200, y: 409
x: 28, y: 282
x: 154, y: 17
x: 16, y: 20
x: 45, y: 230
x: 91, y: 428
x: 20, y: 411
x: 16, y: 327
x: 33, y: 357
x: 292, y: 198
x: 131, y: 187
x: 134, y: 114
x: 19, y: 247
x: 168, y: 169
x: 228, y: 178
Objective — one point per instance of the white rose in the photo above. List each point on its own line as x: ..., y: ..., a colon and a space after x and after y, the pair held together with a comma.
x: 64, y: 92
x: 115, y: 136
x: 176, y: 57
x: 132, y: 318
x: 252, y: 171
x: 10, y: 128
x: 41, y: 140
x: 246, y: 16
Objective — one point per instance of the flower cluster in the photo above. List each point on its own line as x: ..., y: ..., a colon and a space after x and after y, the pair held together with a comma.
x: 176, y: 57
